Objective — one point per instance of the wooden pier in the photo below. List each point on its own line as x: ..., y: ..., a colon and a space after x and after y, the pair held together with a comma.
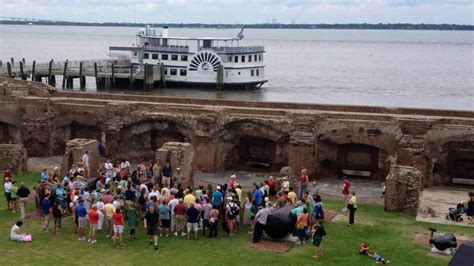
x: 108, y: 73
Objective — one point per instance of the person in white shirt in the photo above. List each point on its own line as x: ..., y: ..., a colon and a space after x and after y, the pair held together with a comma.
x: 109, y: 169
x: 173, y: 204
x: 100, y: 205
x: 8, y: 191
x: 85, y: 159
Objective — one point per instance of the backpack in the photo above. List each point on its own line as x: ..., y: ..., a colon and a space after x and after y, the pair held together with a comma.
x: 234, y: 211
x: 320, y: 214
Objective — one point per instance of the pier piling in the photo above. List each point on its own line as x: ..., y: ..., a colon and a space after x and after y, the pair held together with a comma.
x: 82, y: 79
x: 96, y: 76
x: 65, y: 74
x: 33, y: 75
x: 9, y: 69
x: 113, y: 77
x: 131, y: 78
x: 22, y: 74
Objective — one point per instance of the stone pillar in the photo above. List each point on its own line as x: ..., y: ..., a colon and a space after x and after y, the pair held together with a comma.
x: 178, y: 154
x: 403, y: 186
x: 75, y: 149
x: 301, y: 149
x: 14, y: 157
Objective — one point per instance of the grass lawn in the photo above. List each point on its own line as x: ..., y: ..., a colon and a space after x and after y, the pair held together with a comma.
x: 389, y: 233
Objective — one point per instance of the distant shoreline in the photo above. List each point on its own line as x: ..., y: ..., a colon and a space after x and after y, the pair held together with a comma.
x: 353, y: 26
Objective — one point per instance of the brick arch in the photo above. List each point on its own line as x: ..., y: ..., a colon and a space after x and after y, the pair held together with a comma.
x: 252, y: 144
x: 139, y: 140
x: 451, y: 158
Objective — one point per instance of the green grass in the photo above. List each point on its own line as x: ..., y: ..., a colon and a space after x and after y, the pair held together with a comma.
x: 391, y: 234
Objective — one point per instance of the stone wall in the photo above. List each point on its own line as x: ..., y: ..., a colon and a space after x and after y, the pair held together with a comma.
x: 14, y: 157
x: 75, y: 149
x: 403, y: 185
x: 264, y: 136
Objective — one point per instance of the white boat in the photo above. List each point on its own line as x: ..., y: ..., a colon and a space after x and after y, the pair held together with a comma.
x: 199, y: 62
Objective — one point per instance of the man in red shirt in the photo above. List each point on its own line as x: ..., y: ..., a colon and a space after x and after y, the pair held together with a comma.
x: 180, y: 219
x: 345, y: 191
x: 7, y: 174
x: 304, y: 180
x: 272, y: 187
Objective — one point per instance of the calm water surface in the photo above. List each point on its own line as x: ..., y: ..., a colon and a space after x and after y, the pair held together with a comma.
x: 423, y: 69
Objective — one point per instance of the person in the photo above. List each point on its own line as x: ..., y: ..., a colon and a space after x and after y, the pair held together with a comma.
x: 15, y: 233
x: 379, y: 259
x: 301, y: 223
x: 7, y: 186
x: 285, y: 185
x: 109, y: 170
x: 100, y: 206
x: 13, y: 200
x: 318, y: 209
x: 180, y: 219
x: 217, y: 198
x: 213, y: 222
x: 93, y: 217
x: 81, y: 213
x: 172, y: 204
x: 364, y: 248
x: 151, y: 225
x: 166, y: 175
x: 352, y: 207
x: 304, y: 180
x: 44, y: 176
x: 157, y: 172
x: 47, y: 211
x: 109, y: 211
x: 132, y: 214
x: 23, y: 193
x: 317, y: 234
x: 178, y: 178
x: 292, y: 195
x: 345, y: 192
x: 165, y: 216
x: 470, y: 209
x: 7, y: 173
x: 246, y: 205
x: 57, y: 214
x: 192, y: 215
x: 189, y: 198
x: 261, y: 220
x: 272, y: 191
x: 206, y: 209
x: 101, y: 149
x: 232, y: 213
x: 232, y: 181
x: 258, y: 195
x: 118, y: 226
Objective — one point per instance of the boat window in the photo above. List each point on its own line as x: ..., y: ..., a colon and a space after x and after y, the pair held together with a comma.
x: 174, y: 57
x: 166, y: 71
x: 255, y: 58
x: 184, y: 58
x: 164, y: 57
x: 230, y: 58
x: 145, y: 56
x: 135, y: 54
x: 173, y: 71
x: 182, y: 72
x: 260, y: 57
x: 154, y: 56
x: 243, y: 59
x: 236, y: 59
x: 207, y: 43
x: 250, y: 58
x: 251, y: 73
x: 258, y: 72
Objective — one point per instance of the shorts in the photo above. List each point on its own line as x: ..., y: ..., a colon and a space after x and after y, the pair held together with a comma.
x: 192, y: 227
x: 82, y: 221
x: 152, y: 230
x: 109, y: 220
x: 118, y: 228
x: 8, y: 196
x: 93, y: 227
x: 317, y: 241
x: 166, y: 223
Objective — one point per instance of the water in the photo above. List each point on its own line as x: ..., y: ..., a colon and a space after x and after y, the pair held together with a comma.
x: 422, y: 69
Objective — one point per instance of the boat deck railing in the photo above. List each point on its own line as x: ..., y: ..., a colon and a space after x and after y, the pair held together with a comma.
x: 236, y: 50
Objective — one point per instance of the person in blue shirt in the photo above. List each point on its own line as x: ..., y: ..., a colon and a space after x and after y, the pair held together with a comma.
x: 46, y: 207
x: 61, y: 195
x: 258, y: 195
x: 81, y: 213
x: 217, y: 198
x: 44, y: 175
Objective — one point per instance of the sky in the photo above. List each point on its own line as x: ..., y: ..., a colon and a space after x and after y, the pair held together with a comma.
x: 244, y: 11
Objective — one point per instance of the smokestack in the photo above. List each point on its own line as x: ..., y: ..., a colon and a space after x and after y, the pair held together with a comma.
x: 164, y: 33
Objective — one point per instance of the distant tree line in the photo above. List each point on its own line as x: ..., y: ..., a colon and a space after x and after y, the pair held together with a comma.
x: 362, y: 26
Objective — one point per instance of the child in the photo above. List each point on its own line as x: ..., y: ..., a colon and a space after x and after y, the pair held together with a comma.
x: 301, y: 224
x: 57, y: 214
x: 378, y: 259
x: 118, y: 226
x: 132, y: 220
x: 317, y: 233
x: 93, y: 221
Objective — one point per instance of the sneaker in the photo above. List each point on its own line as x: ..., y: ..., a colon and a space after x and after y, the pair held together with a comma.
x: 166, y: 235
x: 297, y: 242
x: 176, y: 233
x: 88, y: 240
x: 183, y: 234
x: 93, y: 241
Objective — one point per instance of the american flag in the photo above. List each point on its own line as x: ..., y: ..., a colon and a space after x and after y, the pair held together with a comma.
x: 241, y: 34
